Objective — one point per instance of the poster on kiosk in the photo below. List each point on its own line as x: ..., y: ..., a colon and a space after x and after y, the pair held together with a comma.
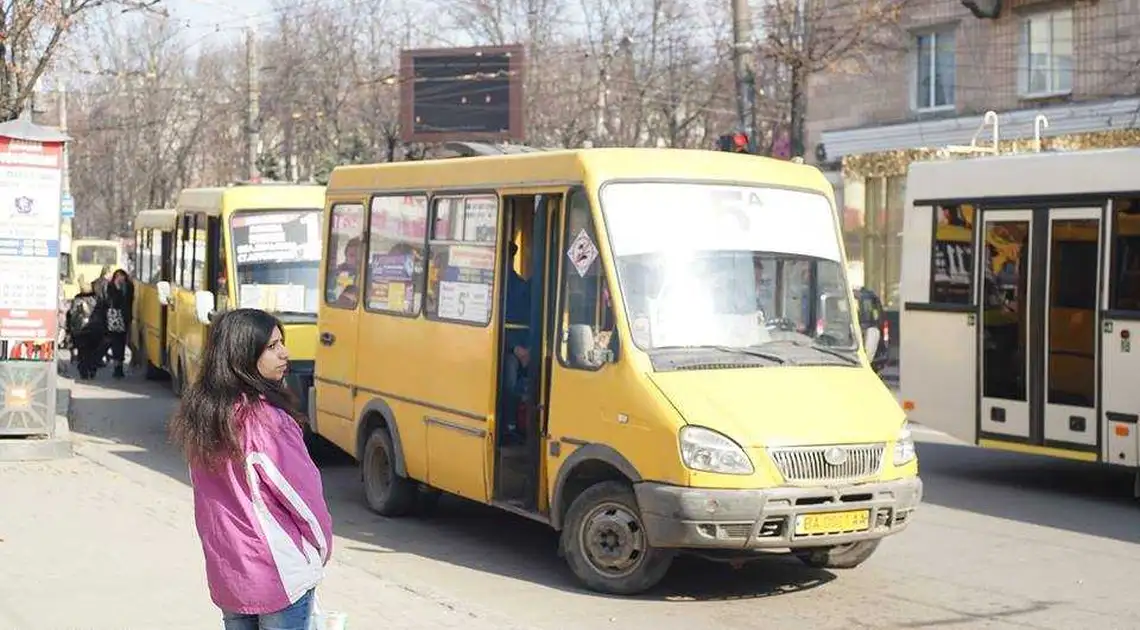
x: 31, y: 174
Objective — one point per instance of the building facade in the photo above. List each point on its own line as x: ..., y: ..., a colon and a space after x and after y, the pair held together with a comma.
x: 1076, y: 62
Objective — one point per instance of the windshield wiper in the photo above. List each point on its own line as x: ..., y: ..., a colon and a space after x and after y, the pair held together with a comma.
x: 775, y: 358
x: 760, y: 354
x: 301, y: 314
x: 839, y: 354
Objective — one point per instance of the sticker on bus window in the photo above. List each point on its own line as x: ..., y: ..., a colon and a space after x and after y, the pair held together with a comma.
x: 582, y: 252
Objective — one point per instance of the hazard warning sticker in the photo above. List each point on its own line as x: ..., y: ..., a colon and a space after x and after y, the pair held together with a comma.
x: 582, y: 253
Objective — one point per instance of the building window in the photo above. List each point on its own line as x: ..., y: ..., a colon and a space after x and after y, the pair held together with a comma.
x: 1046, y: 65
x: 935, y: 70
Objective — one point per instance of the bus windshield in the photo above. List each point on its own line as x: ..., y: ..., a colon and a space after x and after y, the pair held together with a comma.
x: 729, y: 267
x: 277, y: 256
x: 97, y: 255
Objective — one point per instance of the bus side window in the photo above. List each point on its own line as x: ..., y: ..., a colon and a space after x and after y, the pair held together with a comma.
x: 586, y: 299
x: 346, y: 231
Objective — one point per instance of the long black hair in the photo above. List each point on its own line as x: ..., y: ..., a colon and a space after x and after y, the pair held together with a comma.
x: 204, y: 426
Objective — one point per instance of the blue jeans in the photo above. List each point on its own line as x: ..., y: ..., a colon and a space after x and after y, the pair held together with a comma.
x: 294, y: 617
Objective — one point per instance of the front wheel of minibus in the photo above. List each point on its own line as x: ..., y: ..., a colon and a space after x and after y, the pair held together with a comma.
x: 606, y: 545
x: 846, y: 556
x: 387, y: 493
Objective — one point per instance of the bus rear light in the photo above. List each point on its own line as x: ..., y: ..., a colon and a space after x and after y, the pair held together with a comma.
x: 908, y: 405
x: 1122, y: 430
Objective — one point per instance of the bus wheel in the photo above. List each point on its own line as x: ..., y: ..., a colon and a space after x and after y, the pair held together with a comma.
x: 387, y: 493
x: 846, y: 556
x: 605, y: 542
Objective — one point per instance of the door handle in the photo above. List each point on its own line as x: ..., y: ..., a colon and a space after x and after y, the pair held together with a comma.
x: 328, y: 338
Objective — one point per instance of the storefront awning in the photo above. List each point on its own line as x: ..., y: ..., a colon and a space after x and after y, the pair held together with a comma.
x: 1063, y: 120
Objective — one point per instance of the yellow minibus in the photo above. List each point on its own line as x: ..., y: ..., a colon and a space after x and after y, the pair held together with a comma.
x: 244, y: 245
x: 650, y: 350
x: 154, y: 253
x: 88, y: 257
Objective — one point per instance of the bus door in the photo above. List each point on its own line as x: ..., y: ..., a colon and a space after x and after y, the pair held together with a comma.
x: 528, y: 299
x: 1038, y: 341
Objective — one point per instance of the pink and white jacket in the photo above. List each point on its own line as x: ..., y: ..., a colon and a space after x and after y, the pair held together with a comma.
x: 265, y: 527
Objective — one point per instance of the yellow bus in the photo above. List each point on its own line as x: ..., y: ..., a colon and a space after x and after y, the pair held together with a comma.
x: 245, y: 245
x: 88, y: 256
x: 650, y: 350
x: 154, y: 253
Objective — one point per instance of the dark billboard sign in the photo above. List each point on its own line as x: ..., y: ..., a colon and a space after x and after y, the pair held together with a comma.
x: 462, y: 94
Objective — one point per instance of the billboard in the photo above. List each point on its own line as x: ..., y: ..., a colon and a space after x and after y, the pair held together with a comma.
x: 462, y: 94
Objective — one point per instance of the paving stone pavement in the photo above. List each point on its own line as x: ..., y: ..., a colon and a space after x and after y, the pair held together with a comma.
x: 85, y: 546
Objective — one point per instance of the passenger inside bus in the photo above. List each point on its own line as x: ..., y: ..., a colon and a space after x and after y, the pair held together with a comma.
x: 516, y: 356
x: 345, y: 275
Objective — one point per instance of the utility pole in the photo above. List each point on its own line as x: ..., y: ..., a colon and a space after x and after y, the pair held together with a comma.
x: 741, y: 50
x: 799, y: 77
x: 253, y: 137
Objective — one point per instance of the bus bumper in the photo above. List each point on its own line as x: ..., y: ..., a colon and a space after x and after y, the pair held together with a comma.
x: 299, y: 379
x: 745, y: 520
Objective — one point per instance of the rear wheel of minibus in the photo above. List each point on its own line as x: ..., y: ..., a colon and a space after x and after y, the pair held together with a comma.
x: 606, y: 545
x: 385, y: 491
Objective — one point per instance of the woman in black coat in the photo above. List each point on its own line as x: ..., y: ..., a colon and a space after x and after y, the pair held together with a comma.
x: 120, y: 299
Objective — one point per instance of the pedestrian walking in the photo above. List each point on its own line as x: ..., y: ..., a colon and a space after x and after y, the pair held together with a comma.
x: 87, y: 326
x: 259, y: 503
x: 120, y: 296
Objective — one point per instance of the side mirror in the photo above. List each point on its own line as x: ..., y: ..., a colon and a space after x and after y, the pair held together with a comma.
x: 871, y: 338
x: 583, y: 348
x: 204, y: 306
x: 163, y: 292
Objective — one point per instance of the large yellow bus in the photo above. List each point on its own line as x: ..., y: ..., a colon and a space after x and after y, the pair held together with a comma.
x: 650, y: 350
x: 245, y: 245
x: 154, y: 255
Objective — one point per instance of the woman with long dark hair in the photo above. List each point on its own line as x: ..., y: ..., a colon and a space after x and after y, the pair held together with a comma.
x: 120, y: 299
x: 258, y: 500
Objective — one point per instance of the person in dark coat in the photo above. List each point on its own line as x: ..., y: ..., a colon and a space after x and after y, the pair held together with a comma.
x: 87, y: 326
x: 120, y: 299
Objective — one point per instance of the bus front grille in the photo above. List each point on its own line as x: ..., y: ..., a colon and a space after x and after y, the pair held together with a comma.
x: 828, y: 463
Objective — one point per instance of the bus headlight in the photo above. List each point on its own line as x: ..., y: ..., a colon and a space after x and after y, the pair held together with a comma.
x: 706, y: 450
x: 904, y: 448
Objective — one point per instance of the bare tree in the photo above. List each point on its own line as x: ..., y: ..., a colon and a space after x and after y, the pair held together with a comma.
x: 33, y: 31
x: 805, y: 37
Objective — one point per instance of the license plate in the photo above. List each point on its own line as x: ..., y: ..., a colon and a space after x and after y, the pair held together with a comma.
x: 832, y: 522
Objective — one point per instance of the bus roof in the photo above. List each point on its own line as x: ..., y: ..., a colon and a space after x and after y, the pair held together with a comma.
x: 1046, y: 174
x: 574, y: 166
x: 267, y: 196
x: 155, y: 219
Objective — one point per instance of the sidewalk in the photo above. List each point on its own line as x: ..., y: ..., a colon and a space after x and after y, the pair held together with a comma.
x: 88, y: 544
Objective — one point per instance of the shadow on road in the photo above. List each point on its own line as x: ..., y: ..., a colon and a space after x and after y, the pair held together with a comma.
x: 133, y: 413
x: 1075, y: 496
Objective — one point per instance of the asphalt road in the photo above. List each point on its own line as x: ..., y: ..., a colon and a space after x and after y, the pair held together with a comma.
x: 1002, y: 541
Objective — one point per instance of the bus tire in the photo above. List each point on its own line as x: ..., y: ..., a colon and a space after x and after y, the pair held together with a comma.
x: 846, y: 556
x: 385, y: 491
x: 606, y: 545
